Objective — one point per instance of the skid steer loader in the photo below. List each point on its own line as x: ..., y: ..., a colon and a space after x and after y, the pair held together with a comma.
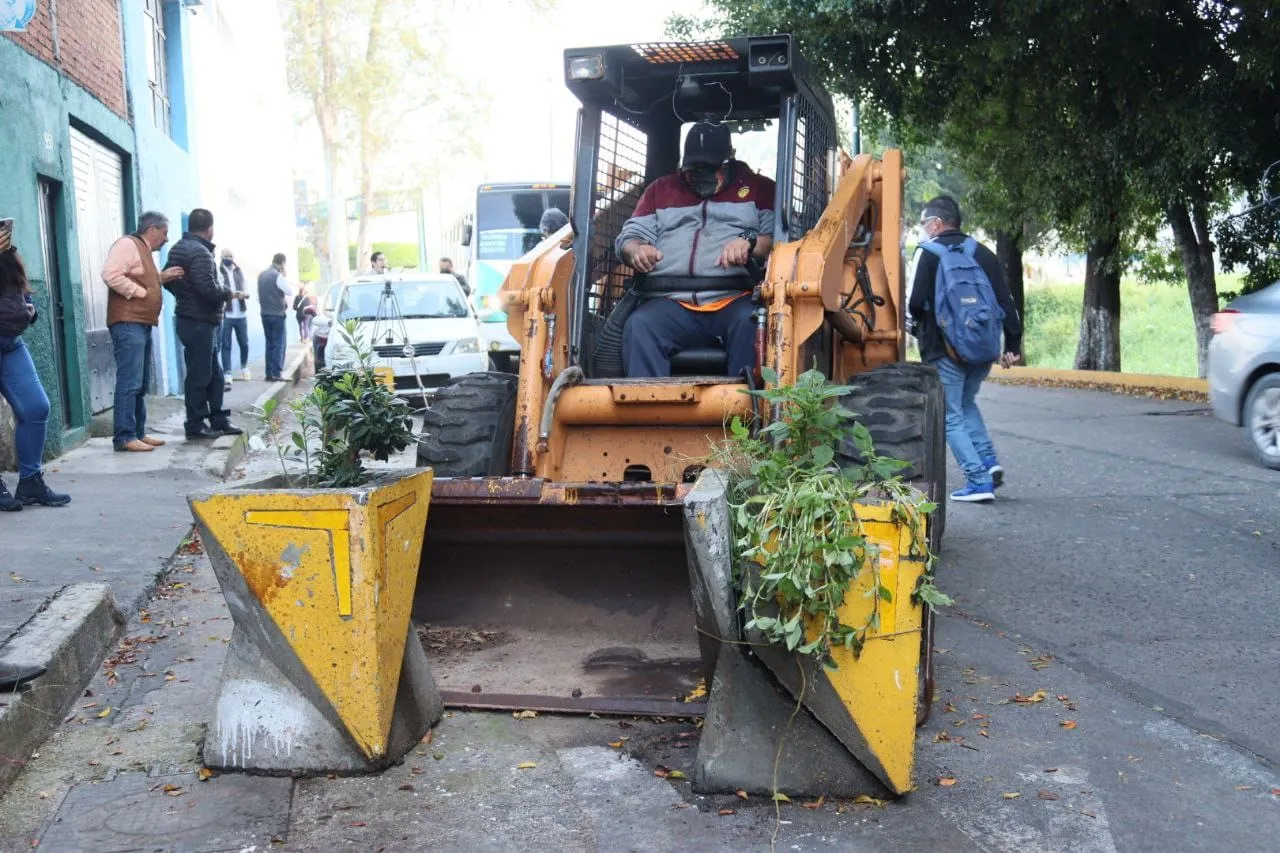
x: 554, y: 569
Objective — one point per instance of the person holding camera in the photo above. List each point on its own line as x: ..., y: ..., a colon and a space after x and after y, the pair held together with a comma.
x: 20, y: 384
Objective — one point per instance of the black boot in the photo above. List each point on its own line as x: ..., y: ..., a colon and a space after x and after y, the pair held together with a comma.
x: 32, y: 490
x: 13, y: 676
x: 8, y: 503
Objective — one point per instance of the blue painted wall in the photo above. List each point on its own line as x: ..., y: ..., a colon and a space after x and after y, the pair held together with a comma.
x: 165, y: 170
x: 37, y: 107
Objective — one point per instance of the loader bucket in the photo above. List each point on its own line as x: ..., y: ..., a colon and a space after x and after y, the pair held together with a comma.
x: 556, y: 597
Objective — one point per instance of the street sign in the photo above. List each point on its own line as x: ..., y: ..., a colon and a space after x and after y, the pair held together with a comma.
x: 16, y: 14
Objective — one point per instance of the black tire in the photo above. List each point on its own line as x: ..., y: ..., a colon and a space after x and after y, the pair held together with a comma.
x: 902, y: 406
x: 1265, y: 453
x: 468, y: 427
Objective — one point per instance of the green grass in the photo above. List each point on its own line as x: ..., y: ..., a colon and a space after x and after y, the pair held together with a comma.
x: 1157, y: 334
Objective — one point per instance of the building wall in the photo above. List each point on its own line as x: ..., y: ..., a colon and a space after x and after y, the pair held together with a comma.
x: 166, y: 164
x: 242, y: 133
x: 39, y: 102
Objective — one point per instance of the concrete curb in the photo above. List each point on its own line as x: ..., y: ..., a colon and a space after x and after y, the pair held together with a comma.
x: 223, y: 459
x: 69, y: 637
x: 1105, y: 380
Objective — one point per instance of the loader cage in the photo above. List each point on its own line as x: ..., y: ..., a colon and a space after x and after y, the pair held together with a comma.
x: 629, y: 134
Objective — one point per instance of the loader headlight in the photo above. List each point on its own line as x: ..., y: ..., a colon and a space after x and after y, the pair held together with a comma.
x: 586, y: 67
x: 466, y: 345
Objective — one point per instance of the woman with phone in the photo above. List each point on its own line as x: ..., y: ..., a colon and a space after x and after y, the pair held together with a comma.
x: 20, y: 384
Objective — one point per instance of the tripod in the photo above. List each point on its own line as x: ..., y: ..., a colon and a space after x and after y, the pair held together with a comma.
x: 388, y: 322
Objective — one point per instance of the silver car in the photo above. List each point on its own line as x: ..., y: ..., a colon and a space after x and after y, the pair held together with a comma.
x: 1244, y: 369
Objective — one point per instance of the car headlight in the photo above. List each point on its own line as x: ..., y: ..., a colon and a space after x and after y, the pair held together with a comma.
x: 466, y: 345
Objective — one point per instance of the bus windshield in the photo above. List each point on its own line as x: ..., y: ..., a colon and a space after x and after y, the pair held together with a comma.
x: 507, y: 220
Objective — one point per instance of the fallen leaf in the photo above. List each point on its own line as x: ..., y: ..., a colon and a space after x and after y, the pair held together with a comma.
x: 1275, y: 792
x: 949, y: 708
x: 676, y: 774
x: 89, y: 705
x: 1068, y: 724
x: 781, y: 798
x: 437, y: 755
x: 94, y: 762
x: 616, y: 744
x: 526, y: 765
x: 1047, y: 795
x: 405, y: 787
x: 946, y: 781
x: 983, y: 732
x: 357, y: 823
x: 742, y: 795
x: 868, y: 800
x: 1011, y: 795
x: 941, y: 737
x: 105, y: 712
x: 698, y: 693
x: 1041, y: 662
x: 525, y: 715
x: 1244, y: 787
x: 724, y: 812
x: 1038, y: 696
x: 1051, y: 770
x: 1062, y: 697
x: 816, y: 804
x: 44, y: 795
x: 428, y: 736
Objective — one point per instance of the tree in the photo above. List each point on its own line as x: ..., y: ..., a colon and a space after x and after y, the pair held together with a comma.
x: 1083, y: 115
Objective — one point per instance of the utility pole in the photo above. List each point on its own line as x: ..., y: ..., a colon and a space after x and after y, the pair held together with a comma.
x: 857, y: 129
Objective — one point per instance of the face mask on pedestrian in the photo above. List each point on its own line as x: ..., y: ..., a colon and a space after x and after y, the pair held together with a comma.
x: 704, y: 180
x: 228, y: 262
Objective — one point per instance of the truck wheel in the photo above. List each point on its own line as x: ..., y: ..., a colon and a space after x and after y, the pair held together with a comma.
x: 468, y: 427
x: 902, y: 405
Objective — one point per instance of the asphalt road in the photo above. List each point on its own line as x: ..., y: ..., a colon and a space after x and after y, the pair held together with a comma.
x: 1137, y: 540
x: 1127, y: 571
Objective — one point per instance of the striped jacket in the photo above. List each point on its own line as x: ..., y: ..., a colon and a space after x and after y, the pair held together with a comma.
x: 690, y: 231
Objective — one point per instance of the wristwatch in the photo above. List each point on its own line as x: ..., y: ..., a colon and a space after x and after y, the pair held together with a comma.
x: 751, y: 237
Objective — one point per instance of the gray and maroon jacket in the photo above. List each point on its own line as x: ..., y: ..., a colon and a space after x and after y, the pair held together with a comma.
x: 690, y: 231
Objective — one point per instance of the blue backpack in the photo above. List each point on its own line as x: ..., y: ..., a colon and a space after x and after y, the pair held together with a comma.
x: 968, y: 313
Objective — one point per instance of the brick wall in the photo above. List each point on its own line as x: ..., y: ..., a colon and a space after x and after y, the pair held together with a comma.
x: 82, y: 40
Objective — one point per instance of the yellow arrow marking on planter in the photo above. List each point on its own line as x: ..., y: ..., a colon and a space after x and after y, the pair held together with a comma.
x: 337, y: 523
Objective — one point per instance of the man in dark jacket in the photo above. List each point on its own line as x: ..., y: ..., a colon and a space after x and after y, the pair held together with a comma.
x: 201, y: 301
x: 692, y: 235
x: 966, y: 432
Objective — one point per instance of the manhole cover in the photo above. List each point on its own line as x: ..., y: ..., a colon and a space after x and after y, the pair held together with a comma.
x: 135, y: 812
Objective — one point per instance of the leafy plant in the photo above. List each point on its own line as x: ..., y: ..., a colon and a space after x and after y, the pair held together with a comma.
x: 797, y: 536
x: 348, y: 412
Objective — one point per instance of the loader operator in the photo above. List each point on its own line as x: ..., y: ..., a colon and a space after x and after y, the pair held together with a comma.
x: 690, y: 236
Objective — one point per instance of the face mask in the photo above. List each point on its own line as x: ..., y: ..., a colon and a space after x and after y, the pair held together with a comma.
x: 230, y: 262
x: 703, y: 180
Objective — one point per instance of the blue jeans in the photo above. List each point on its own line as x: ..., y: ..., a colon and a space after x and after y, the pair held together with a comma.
x: 273, y: 330
x: 240, y: 327
x: 132, y: 345
x: 966, y: 433
x: 20, y: 386
x: 661, y: 327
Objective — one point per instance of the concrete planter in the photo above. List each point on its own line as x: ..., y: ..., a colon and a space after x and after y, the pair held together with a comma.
x: 869, y: 702
x: 323, y: 674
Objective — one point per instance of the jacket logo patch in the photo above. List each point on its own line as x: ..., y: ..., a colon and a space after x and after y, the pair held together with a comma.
x: 744, y: 192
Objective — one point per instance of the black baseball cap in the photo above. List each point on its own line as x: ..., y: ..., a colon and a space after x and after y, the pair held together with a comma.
x: 707, y: 144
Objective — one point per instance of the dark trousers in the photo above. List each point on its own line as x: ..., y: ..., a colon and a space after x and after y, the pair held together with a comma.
x: 273, y: 330
x: 132, y: 345
x: 240, y: 327
x: 662, y: 327
x: 203, y: 388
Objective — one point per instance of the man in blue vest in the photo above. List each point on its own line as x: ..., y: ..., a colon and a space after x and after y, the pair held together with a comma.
x: 966, y: 432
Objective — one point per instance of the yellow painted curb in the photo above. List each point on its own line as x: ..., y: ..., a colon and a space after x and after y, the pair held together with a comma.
x: 335, y: 570
x: 1103, y: 379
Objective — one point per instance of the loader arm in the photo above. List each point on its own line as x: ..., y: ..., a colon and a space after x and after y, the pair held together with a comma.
x: 847, y: 271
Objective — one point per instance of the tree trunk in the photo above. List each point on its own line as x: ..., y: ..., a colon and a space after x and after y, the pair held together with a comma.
x: 327, y: 117
x: 1009, y: 253
x: 1191, y: 233
x: 369, y: 147
x: 1099, y: 347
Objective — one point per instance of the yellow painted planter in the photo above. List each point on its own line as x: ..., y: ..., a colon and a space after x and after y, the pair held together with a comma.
x: 869, y: 703
x: 322, y: 580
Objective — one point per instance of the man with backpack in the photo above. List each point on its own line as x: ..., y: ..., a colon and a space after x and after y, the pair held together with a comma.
x: 961, y: 308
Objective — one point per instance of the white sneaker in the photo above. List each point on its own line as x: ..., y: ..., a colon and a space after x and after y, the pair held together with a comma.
x: 226, y: 386
x: 245, y: 375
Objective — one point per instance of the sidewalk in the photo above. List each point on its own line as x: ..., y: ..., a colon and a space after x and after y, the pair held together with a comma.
x: 71, y: 576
